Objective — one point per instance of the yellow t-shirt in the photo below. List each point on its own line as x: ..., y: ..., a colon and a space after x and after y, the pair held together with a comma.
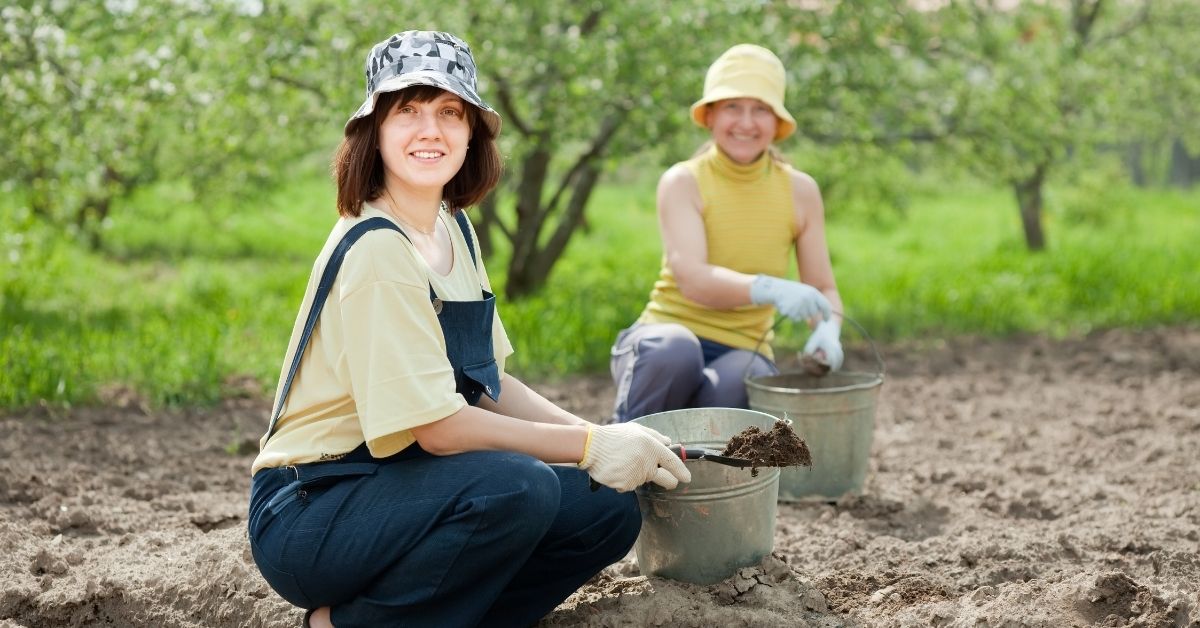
x: 376, y: 364
x: 750, y: 226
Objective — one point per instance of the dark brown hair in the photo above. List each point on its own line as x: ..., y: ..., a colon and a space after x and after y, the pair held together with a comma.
x: 358, y: 166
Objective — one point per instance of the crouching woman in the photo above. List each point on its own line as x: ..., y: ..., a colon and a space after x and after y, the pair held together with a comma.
x: 405, y: 478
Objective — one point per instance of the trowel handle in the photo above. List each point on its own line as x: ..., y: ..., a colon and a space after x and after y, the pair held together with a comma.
x: 688, y: 453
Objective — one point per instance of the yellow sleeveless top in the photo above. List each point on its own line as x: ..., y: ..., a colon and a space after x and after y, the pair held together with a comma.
x: 750, y: 227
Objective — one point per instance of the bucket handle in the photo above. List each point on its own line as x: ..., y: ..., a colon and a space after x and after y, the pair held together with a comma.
x: 862, y: 330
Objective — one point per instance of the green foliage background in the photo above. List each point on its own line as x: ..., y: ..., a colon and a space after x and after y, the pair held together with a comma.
x: 164, y: 189
x: 196, y: 300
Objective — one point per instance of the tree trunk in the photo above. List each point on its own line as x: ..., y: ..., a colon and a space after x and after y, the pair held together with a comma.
x: 520, y: 283
x: 1134, y: 153
x: 532, y: 260
x: 1185, y: 169
x: 1029, y: 199
x: 95, y: 209
x: 533, y: 275
x: 90, y: 220
x: 524, y: 237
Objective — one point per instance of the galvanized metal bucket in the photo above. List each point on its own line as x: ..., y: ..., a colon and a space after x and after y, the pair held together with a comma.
x: 724, y: 519
x: 835, y: 415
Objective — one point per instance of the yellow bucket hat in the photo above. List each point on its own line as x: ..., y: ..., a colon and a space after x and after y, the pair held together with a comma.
x: 747, y: 71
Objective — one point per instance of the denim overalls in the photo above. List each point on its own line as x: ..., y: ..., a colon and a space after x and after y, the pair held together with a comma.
x: 481, y: 538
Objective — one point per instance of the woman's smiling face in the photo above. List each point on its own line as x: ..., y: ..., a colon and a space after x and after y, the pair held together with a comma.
x: 743, y: 128
x: 423, y: 144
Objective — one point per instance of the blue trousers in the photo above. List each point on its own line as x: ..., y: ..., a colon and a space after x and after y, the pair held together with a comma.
x: 481, y: 538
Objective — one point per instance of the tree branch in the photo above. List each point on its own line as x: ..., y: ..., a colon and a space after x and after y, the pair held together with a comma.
x: 586, y: 182
x: 68, y: 81
x: 1083, y: 17
x: 583, y: 176
x: 300, y: 85
x: 589, y: 23
x: 504, y: 230
x: 1141, y: 18
x: 504, y: 95
x: 608, y: 127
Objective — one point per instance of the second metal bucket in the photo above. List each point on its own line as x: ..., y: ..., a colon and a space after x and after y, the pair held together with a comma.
x: 724, y: 519
x: 835, y: 415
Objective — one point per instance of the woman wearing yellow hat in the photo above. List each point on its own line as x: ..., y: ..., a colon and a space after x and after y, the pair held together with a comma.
x: 729, y: 217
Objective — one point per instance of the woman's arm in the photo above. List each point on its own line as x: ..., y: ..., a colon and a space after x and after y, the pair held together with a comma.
x: 474, y: 429
x: 522, y: 402
x: 622, y: 456
x: 521, y: 421
x: 812, y: 251
x: 682, y: 228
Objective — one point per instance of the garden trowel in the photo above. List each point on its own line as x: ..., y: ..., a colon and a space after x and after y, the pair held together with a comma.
x: 711, y: 455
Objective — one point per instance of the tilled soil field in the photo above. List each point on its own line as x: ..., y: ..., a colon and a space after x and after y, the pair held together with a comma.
x: 1016, y: 482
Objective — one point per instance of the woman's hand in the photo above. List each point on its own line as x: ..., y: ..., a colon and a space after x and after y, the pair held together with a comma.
x: 824, y: 344
x: 623, y: 456
x: 795, y: 300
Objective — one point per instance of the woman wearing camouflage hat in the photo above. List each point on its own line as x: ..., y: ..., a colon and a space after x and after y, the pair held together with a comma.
x: 397, y: 483
x: 729, y: 219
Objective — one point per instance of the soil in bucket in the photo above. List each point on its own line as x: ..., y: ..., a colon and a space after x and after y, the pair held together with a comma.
x: 779, y: 446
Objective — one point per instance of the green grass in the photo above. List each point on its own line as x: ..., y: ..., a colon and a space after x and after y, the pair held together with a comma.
x: 187, y: 297
x: 959, y: 265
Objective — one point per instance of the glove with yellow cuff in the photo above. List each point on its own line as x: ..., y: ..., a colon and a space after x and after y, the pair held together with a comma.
x: 623, y: 456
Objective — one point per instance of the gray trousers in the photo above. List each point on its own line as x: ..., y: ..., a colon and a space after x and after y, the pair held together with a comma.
x: 662, y: 366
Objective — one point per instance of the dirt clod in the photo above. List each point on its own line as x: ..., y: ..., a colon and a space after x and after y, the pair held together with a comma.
x: 813, y: 366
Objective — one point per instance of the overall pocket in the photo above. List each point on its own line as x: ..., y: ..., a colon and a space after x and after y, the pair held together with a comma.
x: 478, y: 380
x: 323, y: 473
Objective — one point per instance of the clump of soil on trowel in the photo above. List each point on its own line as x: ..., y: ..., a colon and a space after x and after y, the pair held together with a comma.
x: 778, y: 447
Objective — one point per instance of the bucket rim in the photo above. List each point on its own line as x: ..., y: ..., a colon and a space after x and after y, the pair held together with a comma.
x: 679, y: 411
x: 875, y: 380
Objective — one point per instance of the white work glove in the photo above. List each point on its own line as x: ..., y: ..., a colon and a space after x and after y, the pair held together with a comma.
x: 624, y: 456
x: 824, y: 346
x: 795, y: 300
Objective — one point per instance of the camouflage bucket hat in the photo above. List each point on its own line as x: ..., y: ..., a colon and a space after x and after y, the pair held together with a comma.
x: 423, y: 58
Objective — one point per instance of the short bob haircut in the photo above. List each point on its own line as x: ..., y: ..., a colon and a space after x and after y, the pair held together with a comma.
x: 358, y: 167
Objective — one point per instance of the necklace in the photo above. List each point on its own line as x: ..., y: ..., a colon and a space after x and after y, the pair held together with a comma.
x: 396, y: 214
x: 406, y: 223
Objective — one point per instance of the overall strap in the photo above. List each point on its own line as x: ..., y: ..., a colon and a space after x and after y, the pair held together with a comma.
x: 464, y: 225
x: 314, y: 313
